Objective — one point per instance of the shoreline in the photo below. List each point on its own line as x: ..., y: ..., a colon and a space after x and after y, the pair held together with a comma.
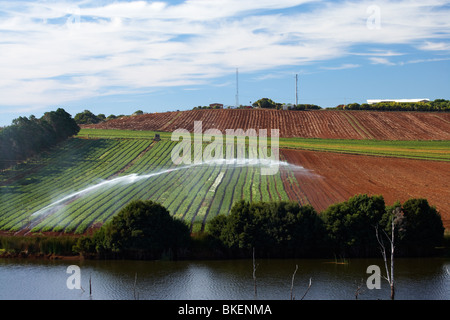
x: 52, y: 246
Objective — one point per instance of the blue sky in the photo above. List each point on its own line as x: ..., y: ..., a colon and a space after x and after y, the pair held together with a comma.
x: 116, y: 57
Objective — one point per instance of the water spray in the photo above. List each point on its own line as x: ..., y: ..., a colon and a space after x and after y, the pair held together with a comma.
x: 133, y: 178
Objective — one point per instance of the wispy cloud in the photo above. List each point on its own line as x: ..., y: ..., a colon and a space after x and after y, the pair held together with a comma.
x: 423, y: 61
x: 378, y: 60
x: 57, y: 51
x: 378, y: 53
x: 436, y: 46
x: 342, y: 67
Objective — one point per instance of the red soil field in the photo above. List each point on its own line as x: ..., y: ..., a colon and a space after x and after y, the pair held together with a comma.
x: 337, y: 177
x: 332, y: 124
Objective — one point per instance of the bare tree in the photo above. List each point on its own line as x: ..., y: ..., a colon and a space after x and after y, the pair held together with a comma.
x: 307, y: 289
x: 396, y: 219
x: 292, y: 283
x: 136, y: 296
x: 254, y: 271
x: 359, y: 290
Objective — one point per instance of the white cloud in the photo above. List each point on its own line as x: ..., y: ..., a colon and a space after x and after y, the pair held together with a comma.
x: 55, y: 52
x: 342, y: 67
x: 378, y: 60
x: 436, y: 46
x: 378, y: 53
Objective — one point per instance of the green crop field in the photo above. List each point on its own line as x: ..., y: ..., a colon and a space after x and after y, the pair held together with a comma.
x: 85, y: 182
x: 424, y: 150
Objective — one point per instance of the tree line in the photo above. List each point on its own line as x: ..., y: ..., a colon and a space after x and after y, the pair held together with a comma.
x: 266, y: 103
x: 438, y: 105
x: 28, y: 136
x: 345, y: 229
x: 281, y: 229
x: 87, y: 117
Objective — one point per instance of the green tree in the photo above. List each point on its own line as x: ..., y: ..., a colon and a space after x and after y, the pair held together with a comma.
x: 86, y: 117
x: 27, y: 137
x: 61, y: 123
x: 265, y: 103
x: 278, y: 228
x: 423, y: 226
x: 143, y: 229
x: 305, y: 107
x: 350, y: 224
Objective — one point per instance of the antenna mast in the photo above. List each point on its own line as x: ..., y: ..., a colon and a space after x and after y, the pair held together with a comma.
x: 237, y: 88
x: 296, y: 89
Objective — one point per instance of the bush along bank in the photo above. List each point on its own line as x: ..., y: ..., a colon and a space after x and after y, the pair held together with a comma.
x: 347, y: 229
x: 146, y: 230
x: 38, y: 246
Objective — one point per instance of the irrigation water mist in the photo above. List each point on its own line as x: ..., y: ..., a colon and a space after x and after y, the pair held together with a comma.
x: 133, y: 178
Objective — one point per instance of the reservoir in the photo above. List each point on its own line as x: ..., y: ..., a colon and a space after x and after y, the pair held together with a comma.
x: 29, y: 279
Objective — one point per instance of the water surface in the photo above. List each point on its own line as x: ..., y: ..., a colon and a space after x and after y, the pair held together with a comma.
x: 418, y: 279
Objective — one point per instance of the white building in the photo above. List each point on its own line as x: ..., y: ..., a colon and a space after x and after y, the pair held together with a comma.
x: 397, y: 100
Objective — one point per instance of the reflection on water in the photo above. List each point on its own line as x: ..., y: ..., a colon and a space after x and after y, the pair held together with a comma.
x: 420, y: 279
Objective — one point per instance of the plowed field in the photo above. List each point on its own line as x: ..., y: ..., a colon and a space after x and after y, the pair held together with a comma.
x: 307, y: 124
x: 341, y: 176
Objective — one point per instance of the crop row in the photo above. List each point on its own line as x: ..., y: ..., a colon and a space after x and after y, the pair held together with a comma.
x: 187, y: 191
x: 18, y: 198
x: 71, y: 171
x: 90, y: 209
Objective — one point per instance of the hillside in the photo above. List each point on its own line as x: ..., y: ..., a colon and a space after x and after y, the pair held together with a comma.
x: 328, y: 124
x: 83, y: 182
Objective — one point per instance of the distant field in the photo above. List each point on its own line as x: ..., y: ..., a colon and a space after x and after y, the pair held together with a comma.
x: 423, y: 149
x: 323, y: 124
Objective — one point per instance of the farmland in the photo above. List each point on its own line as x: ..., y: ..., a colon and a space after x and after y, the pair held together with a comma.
x: 344, y: 175
x: 85, y: 181
x: 417, y: 149
x: 324, y: 124
x: 194, y: 194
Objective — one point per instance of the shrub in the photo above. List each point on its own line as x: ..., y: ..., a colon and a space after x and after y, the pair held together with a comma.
x: 423, y: 226
x: 143, y: 229
x: 279, y: 228
x: 351, y: 224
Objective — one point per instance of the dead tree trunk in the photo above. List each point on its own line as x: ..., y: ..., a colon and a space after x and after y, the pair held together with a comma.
x: 254, y: 272
x: 392, y: 260
x: 307, y: 289
x: 389, y: 274
x: 359, y: 290
x: 292, y: 283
